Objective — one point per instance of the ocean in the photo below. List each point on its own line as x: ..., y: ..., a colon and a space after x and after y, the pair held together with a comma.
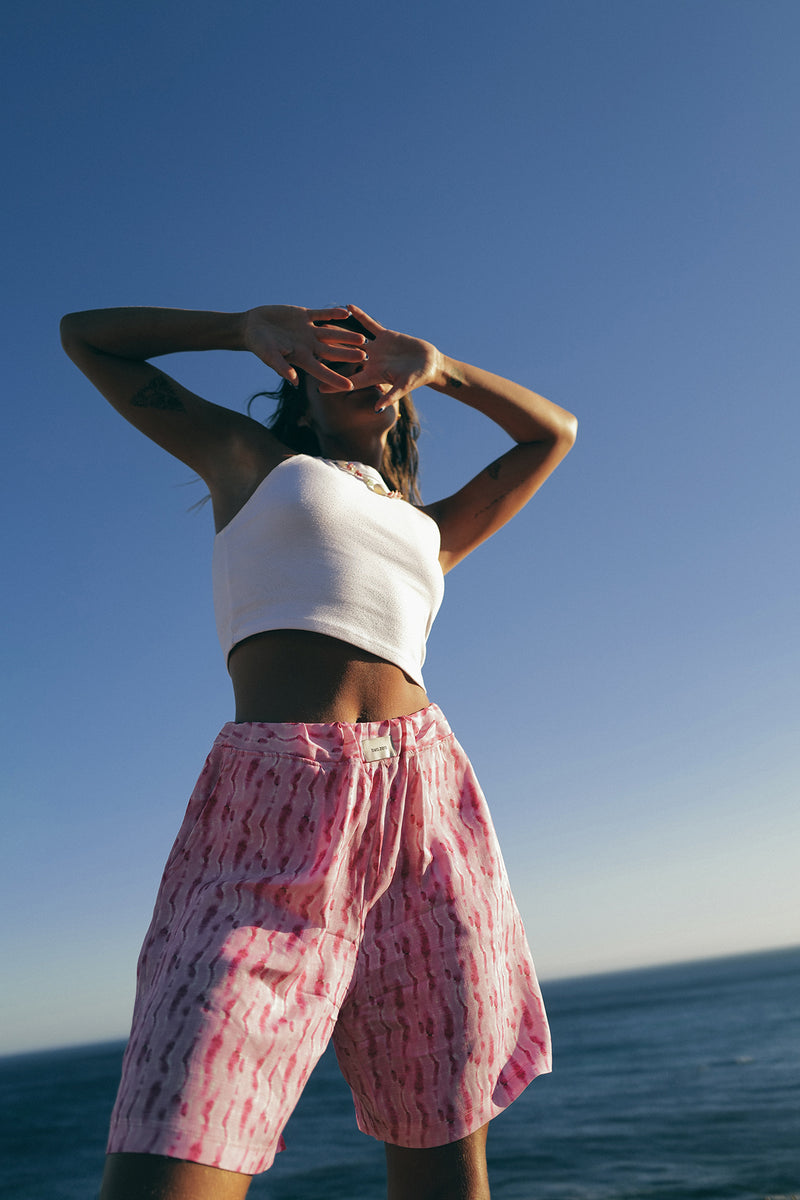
x: 677, y: 1082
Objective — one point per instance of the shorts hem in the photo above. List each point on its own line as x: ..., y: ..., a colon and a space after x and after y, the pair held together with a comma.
x: 450, y: 1131
x: 192, y: 1146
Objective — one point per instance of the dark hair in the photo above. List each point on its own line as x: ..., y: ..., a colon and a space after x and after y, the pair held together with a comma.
x: 400, y: 466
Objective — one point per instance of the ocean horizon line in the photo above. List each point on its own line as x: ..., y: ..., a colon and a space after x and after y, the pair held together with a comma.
x: 119, y: 1039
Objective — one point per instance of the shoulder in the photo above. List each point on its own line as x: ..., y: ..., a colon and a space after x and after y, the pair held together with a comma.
x: 253, y: 453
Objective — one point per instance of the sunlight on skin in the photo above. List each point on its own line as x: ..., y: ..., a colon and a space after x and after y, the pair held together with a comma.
x: 155, y: 1177
x: 453, y: 1172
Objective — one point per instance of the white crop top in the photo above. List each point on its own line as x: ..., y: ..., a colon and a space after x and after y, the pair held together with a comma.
x: 314, y: 548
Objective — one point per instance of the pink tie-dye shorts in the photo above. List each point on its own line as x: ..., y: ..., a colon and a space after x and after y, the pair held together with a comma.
x: 330, y: 880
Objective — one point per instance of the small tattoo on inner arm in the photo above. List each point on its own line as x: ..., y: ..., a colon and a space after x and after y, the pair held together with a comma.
x: 491, y: 504
x: 159, y: 393
x: 493, y: 471
x: 454, y: 381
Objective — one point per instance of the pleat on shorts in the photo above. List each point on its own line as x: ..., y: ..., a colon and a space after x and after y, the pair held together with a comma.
x: 327, y: 881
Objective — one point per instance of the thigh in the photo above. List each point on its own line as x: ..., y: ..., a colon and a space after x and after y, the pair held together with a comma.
x: 456, y: 1171
x: 443, y: 1025
x: 154, y: 1177
x: 240, y: 980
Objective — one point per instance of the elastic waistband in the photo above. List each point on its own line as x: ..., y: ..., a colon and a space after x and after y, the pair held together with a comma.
x: 367, y: 740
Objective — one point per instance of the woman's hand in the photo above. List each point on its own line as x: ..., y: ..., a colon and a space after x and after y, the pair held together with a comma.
x: 285, y: 336
x: 402, y: 361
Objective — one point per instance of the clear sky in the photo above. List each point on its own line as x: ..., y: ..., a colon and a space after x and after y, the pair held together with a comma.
x: 598, y: 199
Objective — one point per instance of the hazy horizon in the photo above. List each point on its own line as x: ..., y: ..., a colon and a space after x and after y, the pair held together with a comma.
x: 121, y: 1038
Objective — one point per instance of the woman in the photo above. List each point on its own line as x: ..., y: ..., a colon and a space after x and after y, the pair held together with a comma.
x: 336, y: 873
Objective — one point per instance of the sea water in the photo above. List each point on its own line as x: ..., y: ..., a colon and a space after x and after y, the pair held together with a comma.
x: 678, y: 1082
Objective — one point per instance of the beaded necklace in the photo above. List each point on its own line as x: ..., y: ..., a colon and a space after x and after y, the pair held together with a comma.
x: 368, y: 476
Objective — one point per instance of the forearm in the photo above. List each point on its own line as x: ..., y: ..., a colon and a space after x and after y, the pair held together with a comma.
x: 523, y: 414
x: 142, y: 333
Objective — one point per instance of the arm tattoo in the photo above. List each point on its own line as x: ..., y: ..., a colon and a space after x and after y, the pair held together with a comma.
x: 454, y: 381
x: 491, y: 504
x: 160, y: 393
x: 493, y: 471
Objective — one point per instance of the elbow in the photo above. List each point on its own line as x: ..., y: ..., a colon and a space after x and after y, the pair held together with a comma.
x: 564, y: 433
x: 558, y: 437
x: 73, y: 337
x: 68, y: 331
x: 569, y: 431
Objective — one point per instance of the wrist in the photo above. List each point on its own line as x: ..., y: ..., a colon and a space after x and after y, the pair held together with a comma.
x: 447, y: 374
x: 238, y: 330
x: 216, y: 331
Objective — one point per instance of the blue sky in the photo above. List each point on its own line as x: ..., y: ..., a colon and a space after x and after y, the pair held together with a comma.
x: 599, y: 200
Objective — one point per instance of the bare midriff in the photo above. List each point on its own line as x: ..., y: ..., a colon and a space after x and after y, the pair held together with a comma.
x: 294, y: 675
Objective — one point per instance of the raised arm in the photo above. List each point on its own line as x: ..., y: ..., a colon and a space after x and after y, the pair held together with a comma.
x: 111, y: 346
x: 544, y: 434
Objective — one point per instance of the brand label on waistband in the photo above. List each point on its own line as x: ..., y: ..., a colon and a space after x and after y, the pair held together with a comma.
x: 378, y: 747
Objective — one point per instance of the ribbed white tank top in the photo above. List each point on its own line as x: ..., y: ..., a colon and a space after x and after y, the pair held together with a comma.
x: 314, y: 548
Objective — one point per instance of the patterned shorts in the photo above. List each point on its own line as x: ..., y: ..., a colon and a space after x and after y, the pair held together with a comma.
x: 329, y: 881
